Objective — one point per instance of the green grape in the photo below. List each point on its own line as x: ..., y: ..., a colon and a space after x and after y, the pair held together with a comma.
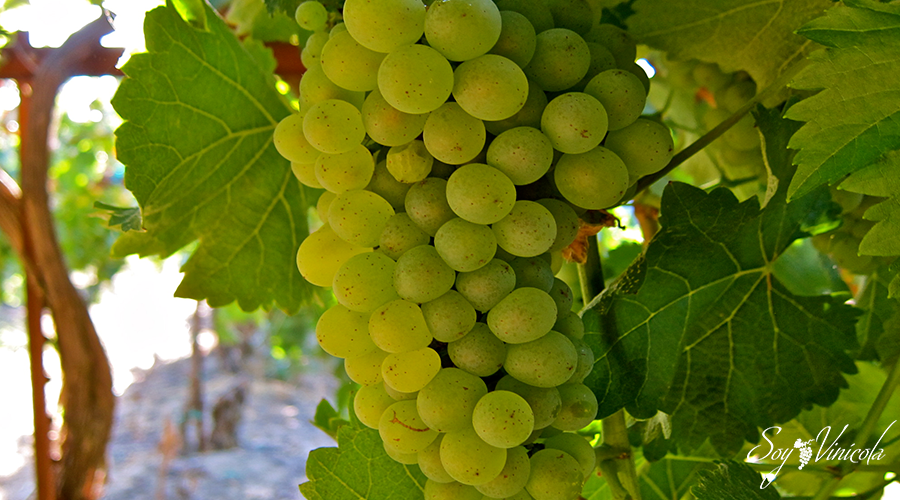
x: 402, y: 430
x: 562, y: 294
x: 845, y: 253
x: 480, y: 352
x: 570, y: 324
x: 848, y: 201
x: 709, y: 76
x: 555, y: 475
x: 415, y: 79
x: 485, y: 287
x: 579, y: 407
x: 593, y: 180
x: 359, y: 217
x: 452, y: 135
x: 465, y: 246
x: 398, y: 326
x: 311, y: 16
x: 469, y: 460
x: 645, y: 146
x: 429, y: 461
x: 462, y: 29
x: 512, y: 479
x: 576, y: 446
x: 450, y: 491
x: 364, y: 282
x: 344, y: 333
x: 574, y: 122
x: 601, y: 60
x: 533, y: 272
x: 449, y: 317
x: 517, y: 38
x: 528, y: 230
x: 490, y: 87
x: 306, y: 174
x: 621, y: 94
x: 567, y: 222
x: 333, y: 126
x: 365, y: 369
x: 528, y: 116
x: 526, y: 314
x: 350, y: 65
x: 311, y: 55
x: 387, y: 125
x: 322, y: 253
x: 480, y: 193
x: 290, y: 141
x: 524, y: 154
x: 323, y: 203
x: 448, y: 401
x: 345, y: 171
x: 411, y: 371
x: 576, y: 15
x: 733, y: 97
x: 315, y: 87
x: 617, y: 40
x: 369, y: 404
x: 638, y: 71
x: 545, y: 362
x: 410, y: 162
x: 545, y: 402
x: 398, y: 395
x: 384, y: 184
x: 503, y: 419
x: 561, y: 59
x: 426, y: 204
x: 537, y: 13
x: 399, y: 235
x: 337, y: 29
x: 384, y: 25
x: 403, y: 458
x: 743, y: 135
x: 421, y: 275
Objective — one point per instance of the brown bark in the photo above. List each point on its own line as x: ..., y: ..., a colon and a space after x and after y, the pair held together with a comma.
x: 87, y: 383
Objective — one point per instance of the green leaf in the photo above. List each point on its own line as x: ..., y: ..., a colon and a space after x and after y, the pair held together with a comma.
x: 701, y: 329
x: 855, y: 119
x: 199, y: 112
x: 735, y: 34
x: 882, y: 179
x: 878, y: 309
x: 128, y: 218
x: 359, y: 468
x: 668, y: 479
x: 192, y: 11
x: 327, y: 419
x: 733, y: 480
x: 805, y: 271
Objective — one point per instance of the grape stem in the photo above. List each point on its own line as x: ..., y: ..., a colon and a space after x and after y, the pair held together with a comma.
x: 721, y: 128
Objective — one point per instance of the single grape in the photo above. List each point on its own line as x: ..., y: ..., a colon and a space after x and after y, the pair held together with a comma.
x: 465, y: 246
x: 545, y: 402
x: 533, y: 272
x: 645, y: 146
x: 468, y: 459
x: 576, y: 446
x: 576, y: 15
x: 480, y: 193
x: 561, y: 59
x: 562, y: 294
x: 526, y: 314
x: 384, y: 25
x: 555, y: 475
x: 570, y: 324
x: 311, y: 55
x: 545, y: 362
x: 524, y: 154
x: 323, y: 203
x: 579, y: 407
x: 398, y: 395
x: 410, y: 371
x: 490, y: 87
x: 574, y: 122
x: 710, y: 77
x: 517, y: 38
x: 400, y: 457
x: 421, y: 275
x: 415, y: 79
x: 359, y: 216
x: 388, y: 125
x: 528, y: 116
x: 344, y: 333
x: 617, y: 40
x: 512, y: 479
x: 365, y: 282
x: 593, y: 180
x: 528, y: 230
x: 410, y: 162
x: 452, y: 135
x: 322, y: 253
x: 315, y: 87
x: 345, y: 171
x: 402, y: 430
x: 462, y: 29
x: 365, y: 369
x: 503, y: 419
x: 399, y: 235
x: 350, y: 65
x: 290, y: 141
x: 537, y: 13
x: 333, y: 126
x: 480, y: 352
x: 601, y: 60
x: 733, y: 97
x: 449, y: 317
x: 311, y: 16
x: 485, y: 287
x: 621, y: 94
x: 435, y: 490
x: 306, y: 174
x: 384, y: 184
x: 426, y: 204
x: 567, y: 222
x: 398, y: 326
x: 448, y: 401
x: 429, y: 461
x: 369, y: 404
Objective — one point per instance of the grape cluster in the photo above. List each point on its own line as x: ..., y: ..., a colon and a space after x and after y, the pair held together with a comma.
x: 457, y: 145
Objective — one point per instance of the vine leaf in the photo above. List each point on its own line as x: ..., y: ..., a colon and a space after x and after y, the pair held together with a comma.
x: 735, y: 34
x: 126, y: 218
x: 202, y: 164
x: 700, y: 327
x: 359, y: 468
x: 881, y: 178
x: 855, y: 118
x: 733, y: 480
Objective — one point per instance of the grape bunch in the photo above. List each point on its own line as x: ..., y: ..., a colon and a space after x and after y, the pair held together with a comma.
x: 457, y: 145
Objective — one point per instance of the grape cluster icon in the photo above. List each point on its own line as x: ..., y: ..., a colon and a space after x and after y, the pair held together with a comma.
x: 805, y: 451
